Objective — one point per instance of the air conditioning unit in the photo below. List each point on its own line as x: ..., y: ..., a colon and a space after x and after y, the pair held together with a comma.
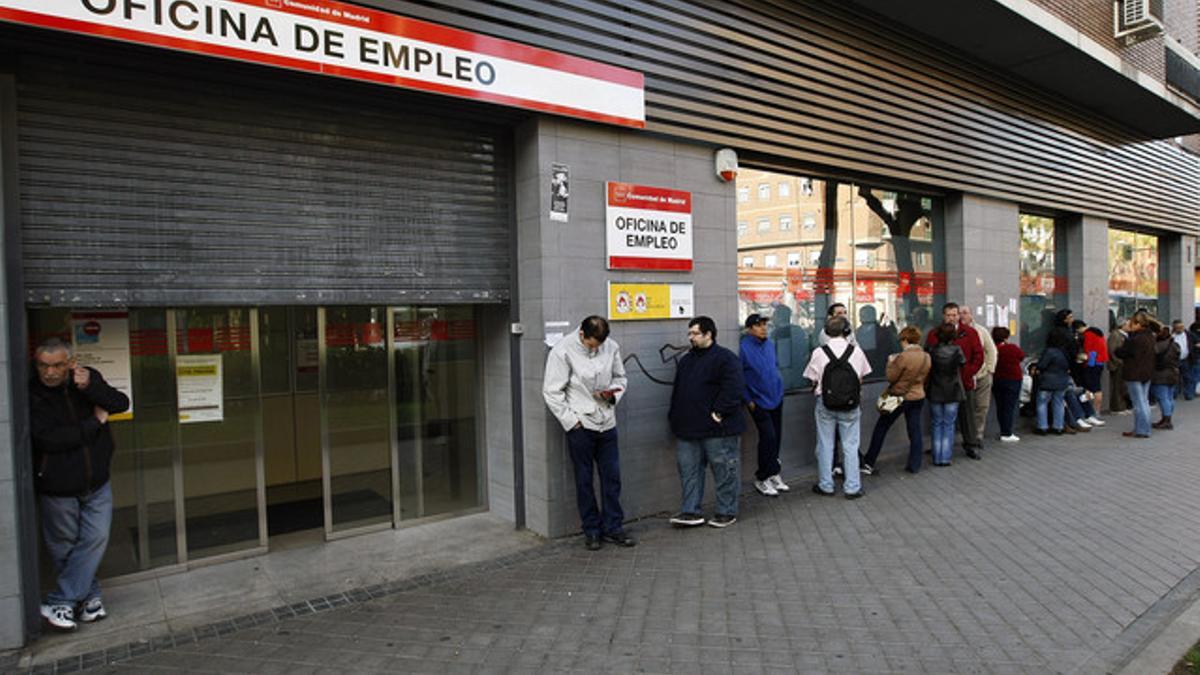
x: 1136, y: 20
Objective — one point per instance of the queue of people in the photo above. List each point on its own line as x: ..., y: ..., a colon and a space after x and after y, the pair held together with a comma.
x: 959, y: 367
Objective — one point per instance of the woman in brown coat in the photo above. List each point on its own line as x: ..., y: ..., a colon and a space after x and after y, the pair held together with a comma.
x: 1137, y: 356
x: 906, y: 373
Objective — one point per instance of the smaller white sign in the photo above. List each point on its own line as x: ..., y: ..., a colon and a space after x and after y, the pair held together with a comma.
x: 101, y: 340
x: 198, y: 381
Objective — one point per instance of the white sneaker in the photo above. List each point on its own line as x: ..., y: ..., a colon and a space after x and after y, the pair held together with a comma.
x: 1095, y: 421
x: 60, y: 617
x: 766, y: 488
x: 778, y: 483
x: 1082, y: 424
x: 92, y: 610
x: 1011, y: 438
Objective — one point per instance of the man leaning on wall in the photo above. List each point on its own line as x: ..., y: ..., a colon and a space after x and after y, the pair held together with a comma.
x: 584, y: 382
x: 69, y: 407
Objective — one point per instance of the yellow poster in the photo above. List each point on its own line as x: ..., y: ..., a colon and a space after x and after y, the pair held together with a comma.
x: 636, y: 302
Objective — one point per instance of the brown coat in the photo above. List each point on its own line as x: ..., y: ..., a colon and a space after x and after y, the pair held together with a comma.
x: 906, y: 371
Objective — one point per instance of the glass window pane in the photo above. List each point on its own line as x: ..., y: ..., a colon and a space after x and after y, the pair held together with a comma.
x: 219, y: 457
x: 356, y: 415
x: 1041, y: 282
x: 874, y: 251
x: 1132, y: 273
x: 436, y: 376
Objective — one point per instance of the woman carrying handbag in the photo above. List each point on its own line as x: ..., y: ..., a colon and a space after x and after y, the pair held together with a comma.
x: 906, y: 373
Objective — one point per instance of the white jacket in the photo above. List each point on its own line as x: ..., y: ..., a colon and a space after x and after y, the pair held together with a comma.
x: 575, y: 374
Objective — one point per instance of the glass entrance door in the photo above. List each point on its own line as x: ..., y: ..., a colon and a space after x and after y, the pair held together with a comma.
x: 355, y: 417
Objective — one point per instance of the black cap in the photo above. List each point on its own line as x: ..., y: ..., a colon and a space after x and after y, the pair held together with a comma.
x: 755, y: 319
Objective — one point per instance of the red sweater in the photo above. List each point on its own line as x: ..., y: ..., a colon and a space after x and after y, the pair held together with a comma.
x: 968, y: 341
x: 1096, y: 348
x: 1008, y: 362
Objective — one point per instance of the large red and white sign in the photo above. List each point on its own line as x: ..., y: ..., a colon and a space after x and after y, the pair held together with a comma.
x: 344, y: 40
x: 648, y: 228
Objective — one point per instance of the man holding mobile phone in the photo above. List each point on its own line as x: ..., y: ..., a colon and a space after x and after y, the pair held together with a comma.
x: 72, y: 449
x: 584, y: 381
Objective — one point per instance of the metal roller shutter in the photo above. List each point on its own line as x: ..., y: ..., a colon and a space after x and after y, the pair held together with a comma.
x: 182, y: 181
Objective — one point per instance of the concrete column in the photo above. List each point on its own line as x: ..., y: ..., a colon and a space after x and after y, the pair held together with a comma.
x: 563, y: 278
x: 1176, y: 277
x: 983, y: 249
x: 1086, y: 251
x: 16, y: 514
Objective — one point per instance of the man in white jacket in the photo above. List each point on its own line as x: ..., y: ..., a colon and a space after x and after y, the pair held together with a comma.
x: 584, y: 381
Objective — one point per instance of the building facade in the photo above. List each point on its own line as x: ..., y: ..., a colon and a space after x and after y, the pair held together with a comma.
x: 331, y: 292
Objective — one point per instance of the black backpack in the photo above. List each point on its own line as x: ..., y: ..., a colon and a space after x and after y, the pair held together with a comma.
x: 840, y: 386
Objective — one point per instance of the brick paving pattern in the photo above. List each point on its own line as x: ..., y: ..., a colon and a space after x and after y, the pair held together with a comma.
x: 1040, y: 558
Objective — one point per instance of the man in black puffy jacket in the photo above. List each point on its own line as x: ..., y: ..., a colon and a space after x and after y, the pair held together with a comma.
x: 706, y: 418
x: 72, y: 450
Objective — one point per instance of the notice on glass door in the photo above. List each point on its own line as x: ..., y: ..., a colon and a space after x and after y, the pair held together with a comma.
x: 101, y: 341
x: 198, y: 382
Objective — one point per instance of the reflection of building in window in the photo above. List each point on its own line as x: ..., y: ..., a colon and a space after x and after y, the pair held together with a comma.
x: 873, y: 250
x: 1132, y: 272
x: 743, y: 194
x: 742, y: 228
x: 764, y: 191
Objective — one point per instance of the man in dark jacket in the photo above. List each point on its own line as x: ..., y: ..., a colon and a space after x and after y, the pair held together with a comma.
x: 706, y: 417
x: 972, y: 348
x: 72, y: 450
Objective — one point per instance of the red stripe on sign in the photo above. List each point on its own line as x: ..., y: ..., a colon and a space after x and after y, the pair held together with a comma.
x: 620, y: 262
x: 99, y: 315
x: 628, y: 195
x: 454, y: 38
x: 197, y: 47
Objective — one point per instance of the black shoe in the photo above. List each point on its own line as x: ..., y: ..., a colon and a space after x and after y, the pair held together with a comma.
x: 722, y: 520
x: 941, y: 463
x: 591, y: 543
x: 817, y: 489
x: 619, y: 538
x: 1040, y: 432
x: 855, y: 495
x: 687, y: 519
x: 973, y: 453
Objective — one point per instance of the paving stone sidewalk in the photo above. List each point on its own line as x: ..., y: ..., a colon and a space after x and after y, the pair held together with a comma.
x: 1055, y: 554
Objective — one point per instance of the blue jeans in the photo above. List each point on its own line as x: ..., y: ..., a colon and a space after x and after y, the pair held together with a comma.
x: 770, y: 425
x: 1077, y: 409
x: 1008, y: 397
x: 1139, y: 398
x: 942, y: 416
x: 845, y: 422
x: 1053, y: 398
x: 599, y: 447
x: 722, y: 454
x: 1165, y: 395
x: 75, y: 530
x: 912, y: 419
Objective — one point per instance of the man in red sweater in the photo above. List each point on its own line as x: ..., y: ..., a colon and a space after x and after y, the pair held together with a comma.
x: 968, y: 341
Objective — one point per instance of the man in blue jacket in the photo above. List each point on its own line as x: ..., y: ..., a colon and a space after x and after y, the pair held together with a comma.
x: 706, y: 417
x: 764, y: 397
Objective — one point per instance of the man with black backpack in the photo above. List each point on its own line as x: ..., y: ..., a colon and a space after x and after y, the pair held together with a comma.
x: 837, y: 369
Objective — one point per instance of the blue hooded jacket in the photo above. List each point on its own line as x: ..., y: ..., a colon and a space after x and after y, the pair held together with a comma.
x: 760, y: 370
